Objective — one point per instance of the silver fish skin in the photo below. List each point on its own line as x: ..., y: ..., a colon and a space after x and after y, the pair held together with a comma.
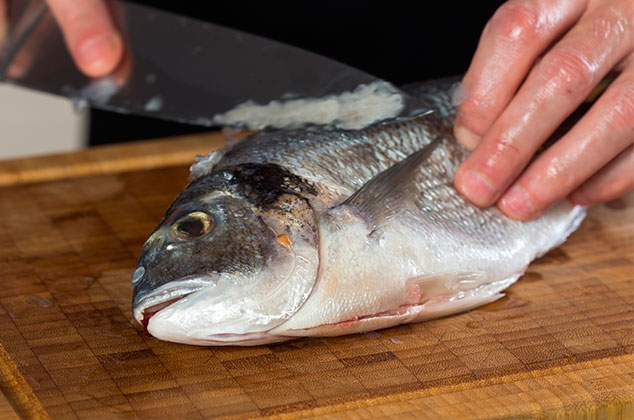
x: 301, y: 233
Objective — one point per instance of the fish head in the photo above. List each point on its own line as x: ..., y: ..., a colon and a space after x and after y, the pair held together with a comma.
x: 235, y: 256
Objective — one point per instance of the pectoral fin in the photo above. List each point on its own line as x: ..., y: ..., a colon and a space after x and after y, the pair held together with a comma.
x: 449, y: 283
x: 391, y: 190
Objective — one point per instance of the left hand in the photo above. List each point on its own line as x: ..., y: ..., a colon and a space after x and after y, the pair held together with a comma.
x: 89, y: 32
x: 3, y: 20
x: 535, y: 63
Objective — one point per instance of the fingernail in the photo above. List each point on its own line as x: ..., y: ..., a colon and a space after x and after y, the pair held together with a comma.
x: 465, y: 136
x: 477, y: 188
x: 516, y: 204
x: 99, y: 54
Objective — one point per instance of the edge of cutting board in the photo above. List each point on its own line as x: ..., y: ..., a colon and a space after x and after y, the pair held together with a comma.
x: 107, y: 159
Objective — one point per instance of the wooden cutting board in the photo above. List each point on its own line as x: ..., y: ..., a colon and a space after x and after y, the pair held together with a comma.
x: 71, y: 226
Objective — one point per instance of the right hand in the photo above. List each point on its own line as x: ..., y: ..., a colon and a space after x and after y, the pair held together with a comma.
x: 90, y: 34
x: 536, y: 62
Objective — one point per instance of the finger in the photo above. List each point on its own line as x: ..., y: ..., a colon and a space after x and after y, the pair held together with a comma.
x: 601, y: 135
x: 553, y: 89
x: 90, y: 35
x: 3, y: 20
x: 612, y: 181
x: 511, y: 42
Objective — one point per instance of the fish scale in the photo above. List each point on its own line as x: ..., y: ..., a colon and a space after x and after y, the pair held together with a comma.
x: 343, y: 162
x: 339, y: 232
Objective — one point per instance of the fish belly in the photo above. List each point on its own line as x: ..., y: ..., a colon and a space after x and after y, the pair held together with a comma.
x: 414, y: 269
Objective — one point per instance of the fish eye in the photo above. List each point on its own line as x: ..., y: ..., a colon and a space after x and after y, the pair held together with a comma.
x: 193, y: 225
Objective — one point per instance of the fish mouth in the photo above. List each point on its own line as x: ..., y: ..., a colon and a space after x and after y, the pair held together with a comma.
x: 151, y: 304
x: 171, y: 292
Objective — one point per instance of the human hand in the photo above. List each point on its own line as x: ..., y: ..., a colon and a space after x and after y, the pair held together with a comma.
x: 90, y: 34
x: 535, y: 64
x: 3, y: 20
x: 91, y: 37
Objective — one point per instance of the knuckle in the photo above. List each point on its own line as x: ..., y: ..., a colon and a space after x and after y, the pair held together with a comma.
x: 571, y: 69
x: 515, y: 21
x: 623, y: 107
x: 508, y: 145
x: 557, y: 171
x: 507, y: 149
x: 611, y: 23
x: 473, y: 117
x: 484, y: 102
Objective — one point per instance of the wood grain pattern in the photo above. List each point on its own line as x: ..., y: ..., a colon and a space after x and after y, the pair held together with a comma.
x: 559, y: 345
x: 18, y: 397
x: 109, y: 159
x: 561, y: 392
x: 6, y: 410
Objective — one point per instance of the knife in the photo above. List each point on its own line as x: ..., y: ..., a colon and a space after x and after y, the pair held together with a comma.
x: 182, y: 69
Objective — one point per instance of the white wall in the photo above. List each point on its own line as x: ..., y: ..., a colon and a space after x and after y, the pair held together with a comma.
x: 33, y: 123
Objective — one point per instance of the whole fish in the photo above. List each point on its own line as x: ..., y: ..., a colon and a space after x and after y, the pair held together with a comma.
x: 321, y: 233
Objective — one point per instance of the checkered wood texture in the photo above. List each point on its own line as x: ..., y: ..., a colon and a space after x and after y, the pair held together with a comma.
x: 561, y: 341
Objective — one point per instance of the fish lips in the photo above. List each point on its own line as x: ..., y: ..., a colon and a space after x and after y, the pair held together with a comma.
x: 148, y: 304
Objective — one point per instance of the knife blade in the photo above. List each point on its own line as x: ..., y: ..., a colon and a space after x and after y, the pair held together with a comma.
x: 182, y: 69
